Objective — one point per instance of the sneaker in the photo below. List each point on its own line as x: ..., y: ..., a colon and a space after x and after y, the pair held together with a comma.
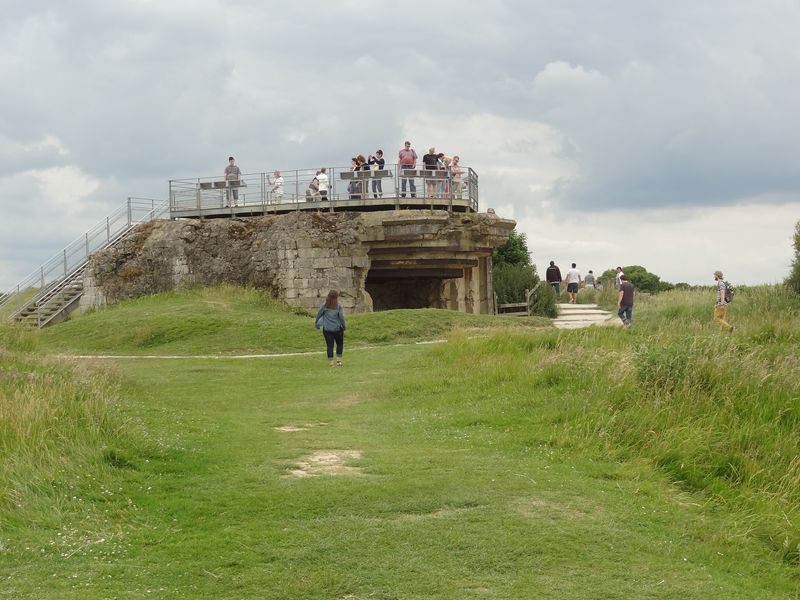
x: 338, y: 363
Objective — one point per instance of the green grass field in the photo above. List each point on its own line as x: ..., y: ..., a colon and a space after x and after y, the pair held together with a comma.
x: 509, y: 462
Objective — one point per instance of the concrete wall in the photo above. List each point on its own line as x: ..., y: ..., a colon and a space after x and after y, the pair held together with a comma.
x: 298, y: 257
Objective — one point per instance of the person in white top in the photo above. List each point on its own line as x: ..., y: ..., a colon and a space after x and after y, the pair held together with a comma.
x: 618, y: 278
x: 573, y: 280
x: 322, y: 178
x: 277, y: 187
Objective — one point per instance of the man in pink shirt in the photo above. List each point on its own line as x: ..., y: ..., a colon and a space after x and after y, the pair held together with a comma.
x: 407, y: 159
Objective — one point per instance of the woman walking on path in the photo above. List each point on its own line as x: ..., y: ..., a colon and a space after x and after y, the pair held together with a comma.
x: 330, y: 318
x: 721, y: 307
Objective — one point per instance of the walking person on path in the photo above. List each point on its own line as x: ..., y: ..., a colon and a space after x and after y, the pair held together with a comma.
x: 573, y: 284
x: 618, y: 277
x: 553, y: 278
x: 625, y: 301
x: 721, y: 307
x: 330, y: 318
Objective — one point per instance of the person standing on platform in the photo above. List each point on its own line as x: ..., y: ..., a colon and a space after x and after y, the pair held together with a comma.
x: 232, y: 173
x: 277, y: 187
x: 407, y: 159
x: 322, y: 179
x: 377, y: 163
x: 431, y: 163
x: 456, y: 172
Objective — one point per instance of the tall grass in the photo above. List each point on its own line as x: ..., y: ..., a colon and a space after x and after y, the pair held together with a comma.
x: 718, y: 413
x: 60, y: 429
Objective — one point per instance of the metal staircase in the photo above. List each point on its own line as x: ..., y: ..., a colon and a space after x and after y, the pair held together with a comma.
x: 50, y: 293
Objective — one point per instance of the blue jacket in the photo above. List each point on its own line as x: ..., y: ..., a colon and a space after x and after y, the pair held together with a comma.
x: 330, y: 319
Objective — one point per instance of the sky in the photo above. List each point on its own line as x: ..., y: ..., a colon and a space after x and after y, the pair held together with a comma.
x: 662, y: 134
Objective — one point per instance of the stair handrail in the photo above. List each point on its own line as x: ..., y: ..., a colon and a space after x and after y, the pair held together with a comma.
x: 43, y: 317
x: 74, y: 256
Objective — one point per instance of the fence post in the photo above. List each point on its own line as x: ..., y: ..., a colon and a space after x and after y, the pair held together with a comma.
x: 87, y: 243
x: 65, y: 262
x: 108, y: 229
x: 42, y: 276
x: 130, y: 214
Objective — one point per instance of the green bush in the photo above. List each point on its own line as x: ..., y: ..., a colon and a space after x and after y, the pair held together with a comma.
x: 543, y: 301
x: 511, y: 281
x: 641, y: 278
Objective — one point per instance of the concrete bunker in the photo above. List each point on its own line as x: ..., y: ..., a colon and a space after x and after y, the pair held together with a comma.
x: 378, y: 261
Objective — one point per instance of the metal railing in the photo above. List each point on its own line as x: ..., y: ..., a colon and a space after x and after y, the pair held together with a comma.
x: 74, y: 256
x: 371, y: 188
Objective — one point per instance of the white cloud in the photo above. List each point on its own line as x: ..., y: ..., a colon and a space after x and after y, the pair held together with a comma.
x: 518, y: 162
x: 562, y: 78
x: 592, y: 114
x: 749, y: 243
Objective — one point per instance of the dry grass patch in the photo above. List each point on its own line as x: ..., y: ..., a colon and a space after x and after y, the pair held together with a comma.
x: 290, y: 428
x: 351, y: 399
x: 327, y: 462
x: 542, y: 508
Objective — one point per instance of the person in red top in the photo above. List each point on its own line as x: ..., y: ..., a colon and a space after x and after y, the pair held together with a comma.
x: 407, y: 159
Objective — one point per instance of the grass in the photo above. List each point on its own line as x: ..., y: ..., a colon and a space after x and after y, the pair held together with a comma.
x: 650, y: 463
x: 229, y: 320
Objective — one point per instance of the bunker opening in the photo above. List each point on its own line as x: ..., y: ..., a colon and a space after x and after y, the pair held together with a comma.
x: 413, y: 288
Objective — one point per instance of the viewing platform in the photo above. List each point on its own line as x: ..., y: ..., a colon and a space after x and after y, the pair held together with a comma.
x: 348, y: 190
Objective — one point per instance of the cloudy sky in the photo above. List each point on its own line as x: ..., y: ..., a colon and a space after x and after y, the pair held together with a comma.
x: 644, y: 132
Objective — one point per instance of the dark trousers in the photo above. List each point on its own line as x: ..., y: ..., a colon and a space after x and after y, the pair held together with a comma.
x: 330, y: 338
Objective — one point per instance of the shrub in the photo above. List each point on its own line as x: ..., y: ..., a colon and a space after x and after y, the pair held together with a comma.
x: 543, y: 301
x: 511, y: 281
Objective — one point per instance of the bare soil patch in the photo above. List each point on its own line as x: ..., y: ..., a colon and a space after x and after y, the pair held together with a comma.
x: 327, y: 462
x: 295, y: 428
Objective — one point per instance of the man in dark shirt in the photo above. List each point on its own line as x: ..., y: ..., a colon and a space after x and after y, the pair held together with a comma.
x: 553, y: 278
x: 625, y: 301
x: 431, y: 162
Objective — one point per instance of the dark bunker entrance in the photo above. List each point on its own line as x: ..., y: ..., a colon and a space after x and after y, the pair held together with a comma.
x: 411, y: 288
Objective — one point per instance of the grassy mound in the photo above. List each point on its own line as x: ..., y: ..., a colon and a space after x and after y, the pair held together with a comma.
x: 62, y: 437
x: 720, y: 414
x: 228, y: 320
x: 653, y: 462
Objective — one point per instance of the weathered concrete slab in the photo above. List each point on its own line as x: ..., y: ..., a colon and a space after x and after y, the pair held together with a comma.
x: 576, y: 316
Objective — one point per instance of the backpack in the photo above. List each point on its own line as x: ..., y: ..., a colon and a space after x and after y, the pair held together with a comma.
x: 729, y: 292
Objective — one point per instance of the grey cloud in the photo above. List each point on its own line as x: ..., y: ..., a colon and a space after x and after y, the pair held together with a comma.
x: 656, y: 104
